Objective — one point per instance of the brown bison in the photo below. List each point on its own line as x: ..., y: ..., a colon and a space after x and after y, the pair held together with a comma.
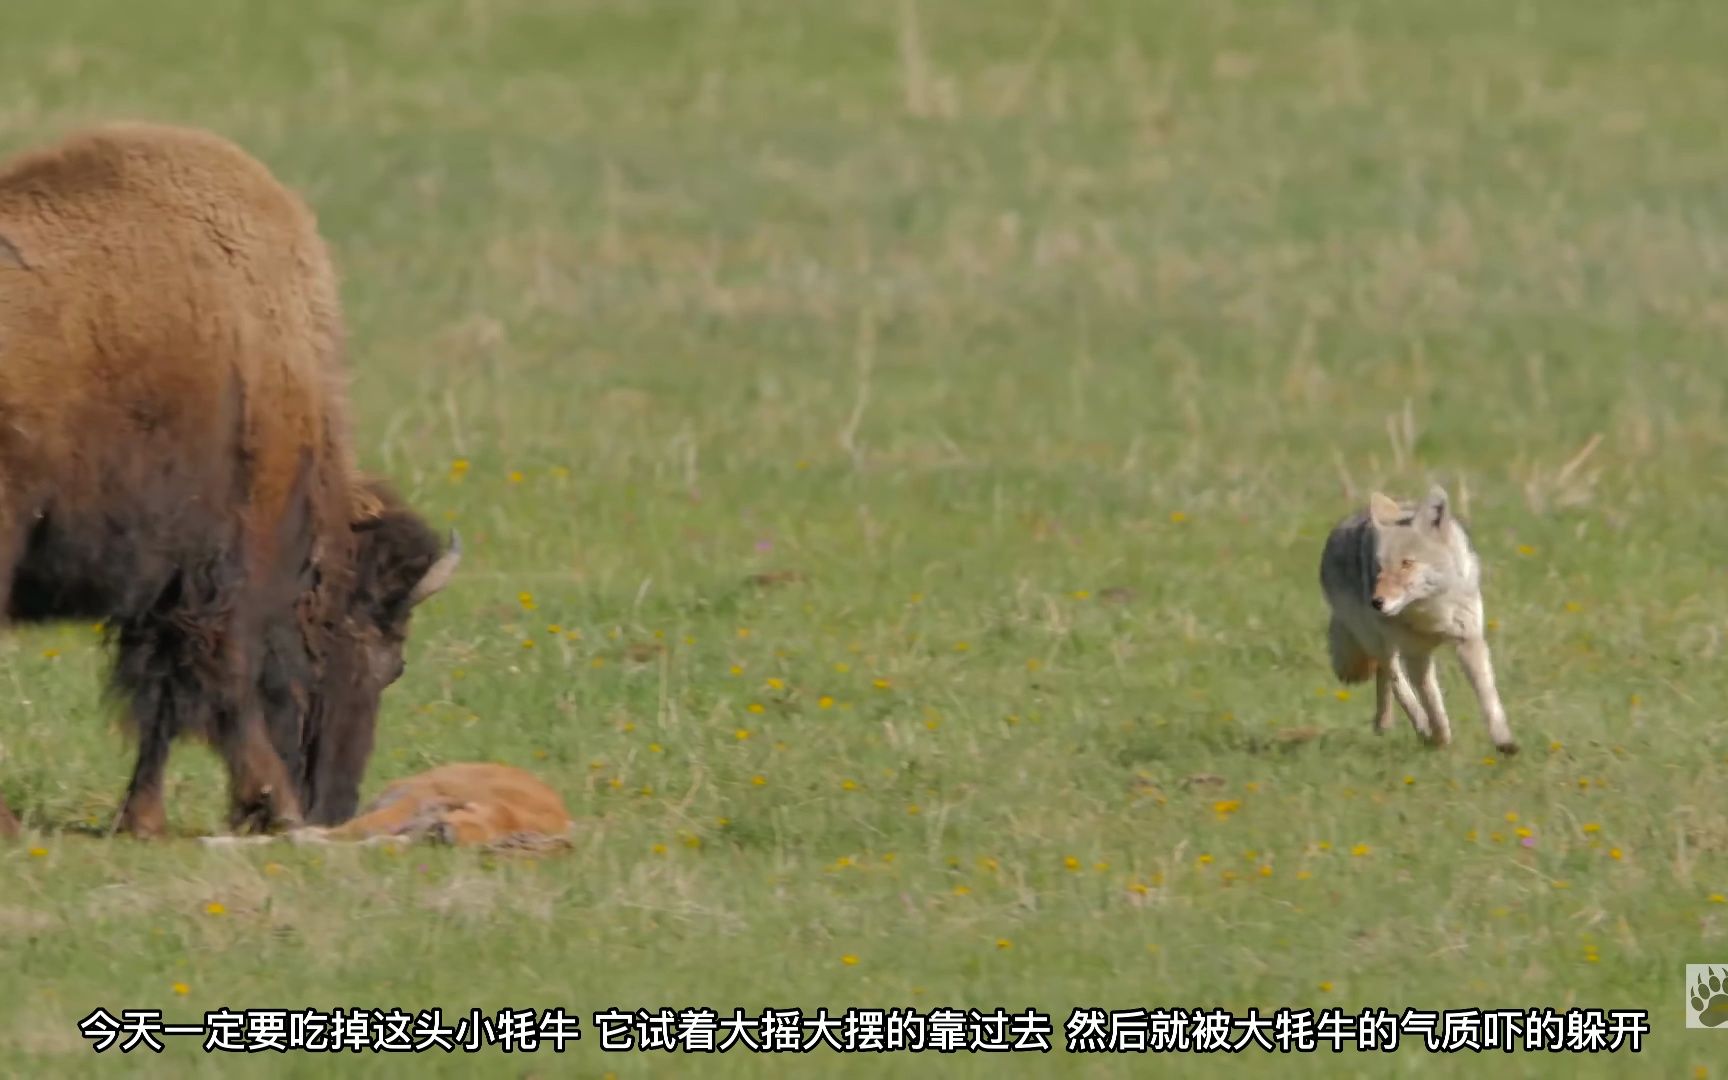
x: 175, y: 461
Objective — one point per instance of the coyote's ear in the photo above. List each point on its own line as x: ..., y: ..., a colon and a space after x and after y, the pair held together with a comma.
x: 1435, y: 508
x: 1383, y: 510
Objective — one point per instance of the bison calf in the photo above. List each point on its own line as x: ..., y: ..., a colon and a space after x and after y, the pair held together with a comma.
x: 175, y: 460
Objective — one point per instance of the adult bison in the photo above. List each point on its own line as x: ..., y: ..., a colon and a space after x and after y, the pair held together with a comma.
x: 175, y: 460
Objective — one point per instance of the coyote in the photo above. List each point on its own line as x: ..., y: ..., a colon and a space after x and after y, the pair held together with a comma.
x: 1402, y: 580
x: 464, y: 804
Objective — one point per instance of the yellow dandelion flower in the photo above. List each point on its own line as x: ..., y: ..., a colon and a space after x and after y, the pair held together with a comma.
x: 1082, y: 594
x: 1252, y: 787
x: 1226, y: 807
x: 654, y: 748
x: 691, y: 840
x: 1592, y: 827
x: 759, y: 780
x: 273, y: 868
x: 881, y: 684
x: 181, y: 989
x: 645, y: 791
x: 1490, y: 762
x: 1573, y: 607
x: 616, y: 782
x: 1325, y: 988
x: 842, y: 667
x: 776, y: 683
x: 1526, y: 550
x: 1562, y: 884
x: 962, y: 890
x: 743, y: 631
x: 659, y: 849
x: 1409, y: 780
x: 1524, y: 832
x: 1004, y: 943
x: 598, y: 661
x: 215, y: 907
x: 849, y: 960
x: 932, y: 724
x: 1614, y: 853
x: 913, y: 810
x: 1718, y: 898
x: 1341, y: 694
x: 527, y: 643
x: 989, y: 864
x: 1511, y: 817
x: 849, y: 785
x: 38, y: 853
x: 824, y: 702
x: 459, y: 468
x: 1071, y: 863
x: 1204, y: 860
x: 1266, y: 870
x: 1303, y: 875
x: 1100, y: 867
x: 516, y: 476
x: 1555, y: 747
x: 1138, y: 888
x: 741, y: 734
x: 1324, y: 845
x: 1360, y: 850
x: 1177, y: 517
x: 756, y: 707
x: 1471, y: 836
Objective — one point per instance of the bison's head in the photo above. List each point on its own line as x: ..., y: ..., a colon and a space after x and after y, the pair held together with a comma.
x: 398, y: 563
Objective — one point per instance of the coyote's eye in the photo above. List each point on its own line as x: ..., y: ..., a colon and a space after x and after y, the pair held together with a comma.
x: 1409, y: 564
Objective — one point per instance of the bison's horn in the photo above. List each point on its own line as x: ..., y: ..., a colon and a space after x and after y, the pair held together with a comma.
x: 439, y: 574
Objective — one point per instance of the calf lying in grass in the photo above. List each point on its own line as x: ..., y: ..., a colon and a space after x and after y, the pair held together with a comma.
x: 467, y: 804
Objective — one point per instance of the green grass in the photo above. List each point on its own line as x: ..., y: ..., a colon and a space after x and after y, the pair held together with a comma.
x: 1045, y: 341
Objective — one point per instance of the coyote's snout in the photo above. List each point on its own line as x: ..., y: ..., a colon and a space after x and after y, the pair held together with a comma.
x: 1402, y: 580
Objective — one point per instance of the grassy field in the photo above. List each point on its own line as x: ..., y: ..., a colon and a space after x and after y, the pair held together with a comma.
x: 894, y: 443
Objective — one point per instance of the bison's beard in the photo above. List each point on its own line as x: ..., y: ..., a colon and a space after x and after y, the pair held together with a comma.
x: 322, y: 713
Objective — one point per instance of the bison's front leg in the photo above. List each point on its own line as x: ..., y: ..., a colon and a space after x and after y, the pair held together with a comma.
x: 142, y: 813
x: 8, y: 822
x: 260, y: 794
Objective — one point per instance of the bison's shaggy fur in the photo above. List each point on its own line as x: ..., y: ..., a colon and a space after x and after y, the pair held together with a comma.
x: 175, y: 460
